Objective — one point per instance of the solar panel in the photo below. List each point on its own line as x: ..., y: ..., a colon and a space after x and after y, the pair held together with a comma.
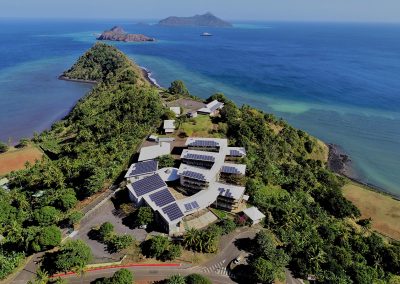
x: 230, y: 170
x: 194, y: 175
x: 148, y: 184
x: 173, y: 212
x: 195, y: 205
x: 143, y: 168
x: 235, y: 153
x: 204, y: 143
x: 162, y: 197
x: 188, y: 206
x: 206, y: 158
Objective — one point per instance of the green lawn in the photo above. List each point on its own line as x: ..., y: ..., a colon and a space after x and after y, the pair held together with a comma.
x: 199, y: 126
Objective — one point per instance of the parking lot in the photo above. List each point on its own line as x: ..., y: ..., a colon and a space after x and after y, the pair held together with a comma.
x: 107, y: 213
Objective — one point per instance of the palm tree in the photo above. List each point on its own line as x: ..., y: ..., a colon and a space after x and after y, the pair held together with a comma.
x: 191, y: 238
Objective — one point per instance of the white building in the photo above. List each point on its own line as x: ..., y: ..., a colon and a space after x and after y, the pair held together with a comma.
x: 254, y: 215
x: 211, y: 108
x: 141, y: 169
x: 176, y: 110
x: 153, y: 152
x: 169, y: 126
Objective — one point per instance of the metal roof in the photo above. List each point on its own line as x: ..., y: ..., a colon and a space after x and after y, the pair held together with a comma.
x: 142, y: 168
x: 148, y: 184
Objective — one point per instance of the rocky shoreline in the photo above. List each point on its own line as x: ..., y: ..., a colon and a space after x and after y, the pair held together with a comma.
x: 340, y: 163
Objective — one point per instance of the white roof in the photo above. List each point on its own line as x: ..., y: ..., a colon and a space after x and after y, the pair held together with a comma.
x: 228, y: 190
x: 168, y: 174
x: 212, y: 106
x: 176, y: 110
x: 169, y: 124
x: 152, y: 152
x: 253, y: 213
x: 203, y: 198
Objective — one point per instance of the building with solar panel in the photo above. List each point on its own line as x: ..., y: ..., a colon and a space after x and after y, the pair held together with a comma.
x: 235, y: 153
x: 229, y: 197
x: 199, y: 158
x: 202, y: 166
x: 206, y: 144
x: 141, y: 169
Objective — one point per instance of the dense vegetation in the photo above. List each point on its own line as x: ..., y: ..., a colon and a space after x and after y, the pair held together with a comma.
x: 122, y: 276
x: 304, y: 205
x: 86, y: 152
x: 312, y: 226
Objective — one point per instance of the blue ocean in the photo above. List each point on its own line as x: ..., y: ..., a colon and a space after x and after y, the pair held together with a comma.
x: 339, y: 82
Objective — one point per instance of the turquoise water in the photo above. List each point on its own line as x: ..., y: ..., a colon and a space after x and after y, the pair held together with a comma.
x: 340, y: 82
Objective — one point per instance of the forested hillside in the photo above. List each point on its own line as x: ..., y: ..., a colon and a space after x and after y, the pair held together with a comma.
x: 85, y: 151
x: 316, y: 227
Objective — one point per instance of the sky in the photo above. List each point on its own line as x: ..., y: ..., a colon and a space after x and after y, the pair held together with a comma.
x: 266, y: 10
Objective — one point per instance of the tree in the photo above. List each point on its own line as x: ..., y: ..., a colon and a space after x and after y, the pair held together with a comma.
x: 49, y: 237
x: 178, y: 88
x: 168, y: 114
x: 264, y: 270
x: 227, y: 226
x: 23, y: 142
x: 72, y: 254
x: 3, y: 147
x: 144, y: 216
x: 158, y: 245
x: 176, y: 279
x: 117, y: 243
x: 166, y: 161
x: 173, y: 252
x: 105, y: 231
x: 67, y: 200
x: 74, y: 217
x: 197, y: 279
x: 46, y: 215
x: 122, y: 276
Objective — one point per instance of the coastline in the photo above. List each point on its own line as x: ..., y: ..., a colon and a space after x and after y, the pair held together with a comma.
x: 61, y: 77
x: 340, y: 163
x: 147, y: 75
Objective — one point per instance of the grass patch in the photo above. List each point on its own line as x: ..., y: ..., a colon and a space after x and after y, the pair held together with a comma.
x: 320, y: 152
x: 199, y: 126
x: 15, y: 158
x: 382, y: 209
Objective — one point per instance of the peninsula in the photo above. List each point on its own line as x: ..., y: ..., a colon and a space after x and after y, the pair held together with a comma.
x: 118, y: 34
x: 206, y: 20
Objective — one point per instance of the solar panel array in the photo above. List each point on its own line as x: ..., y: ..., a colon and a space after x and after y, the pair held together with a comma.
x: 225, y: 192
x: 148, y: 184
x: 172, y: 211
x: 162, y: 197
x: 235, y: 153
x: 191, y: 206
x: 143, y: 168
x: 194, y: 175
x: 198, y: 157
x: 204, y: 143
x: 230, y: 170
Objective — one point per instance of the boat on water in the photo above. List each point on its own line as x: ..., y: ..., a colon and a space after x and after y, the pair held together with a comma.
x: 206, y: 34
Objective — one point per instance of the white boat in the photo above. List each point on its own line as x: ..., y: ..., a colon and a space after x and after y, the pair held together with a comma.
x: 206, y: 34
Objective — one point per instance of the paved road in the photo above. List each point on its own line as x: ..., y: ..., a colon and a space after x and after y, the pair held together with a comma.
x: 144, y: 274
x: 228, y: 252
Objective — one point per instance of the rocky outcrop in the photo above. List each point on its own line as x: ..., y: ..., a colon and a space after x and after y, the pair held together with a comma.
x: 206, y: 20
x: 118, y: 34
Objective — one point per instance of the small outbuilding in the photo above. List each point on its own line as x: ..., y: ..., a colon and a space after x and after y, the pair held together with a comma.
x: 255, y: 215
x: 176, y: 110
x: 211, y: 108
x: 169, y: 126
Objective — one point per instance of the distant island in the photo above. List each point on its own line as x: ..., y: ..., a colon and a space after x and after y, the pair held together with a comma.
x: 118, y: 34
x: 206, y: 20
